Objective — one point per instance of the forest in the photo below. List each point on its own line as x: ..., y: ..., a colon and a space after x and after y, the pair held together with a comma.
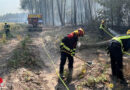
x: 77, y: 12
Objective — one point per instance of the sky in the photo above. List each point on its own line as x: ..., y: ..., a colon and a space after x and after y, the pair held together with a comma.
x: 9, y: 6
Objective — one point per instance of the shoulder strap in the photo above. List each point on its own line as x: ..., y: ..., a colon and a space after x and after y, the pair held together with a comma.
x: 119, y: 39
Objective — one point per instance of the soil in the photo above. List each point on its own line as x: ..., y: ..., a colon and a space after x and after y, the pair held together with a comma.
x: 45, y: 45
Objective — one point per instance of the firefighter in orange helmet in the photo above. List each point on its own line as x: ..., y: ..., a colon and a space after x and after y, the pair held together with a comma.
x: 68, y: 47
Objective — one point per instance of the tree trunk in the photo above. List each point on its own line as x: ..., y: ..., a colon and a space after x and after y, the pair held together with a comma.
x: 90, y: 10
x: 75, y: 13
x: 64, y: 10
x: 60, y: 13
x: 52, y: 12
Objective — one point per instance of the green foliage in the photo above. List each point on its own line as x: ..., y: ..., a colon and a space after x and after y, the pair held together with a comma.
x: 92, y: 81
x: 83, y: 72
x: 79, y: 87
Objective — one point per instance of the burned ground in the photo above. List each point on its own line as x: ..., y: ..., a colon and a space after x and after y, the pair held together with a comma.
x: 33, y: 69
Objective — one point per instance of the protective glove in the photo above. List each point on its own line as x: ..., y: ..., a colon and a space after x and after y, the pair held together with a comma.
x: 61, y: 46
x: 73, y: 54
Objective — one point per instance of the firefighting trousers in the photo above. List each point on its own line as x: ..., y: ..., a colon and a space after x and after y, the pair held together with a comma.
x: 7, y: 31
x: 116, y: 57
x: 63, y: 59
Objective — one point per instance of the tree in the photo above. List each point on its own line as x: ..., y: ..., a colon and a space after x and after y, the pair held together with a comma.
x: 64, y: 11
x: 114, y: 10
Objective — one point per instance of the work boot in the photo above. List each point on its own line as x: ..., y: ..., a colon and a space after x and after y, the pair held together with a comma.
x: 123, y: 81
x: 69, y: 78
x: 62, y: 77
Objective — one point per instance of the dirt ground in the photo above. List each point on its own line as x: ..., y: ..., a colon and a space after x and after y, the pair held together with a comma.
x: 45, y: 46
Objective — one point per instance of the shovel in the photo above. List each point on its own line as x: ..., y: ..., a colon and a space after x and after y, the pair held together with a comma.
x: 89, y: 63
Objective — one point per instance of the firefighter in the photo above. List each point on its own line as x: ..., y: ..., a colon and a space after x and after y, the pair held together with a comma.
x: 102, y: 28
x: 7, y: 29
x: 68, y: 47
x: 117, y: 46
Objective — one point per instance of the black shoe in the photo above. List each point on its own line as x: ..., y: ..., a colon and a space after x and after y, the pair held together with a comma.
x: 114, y: 78
x: 69, y: 79
x: 123, y: 81
x: 62, y: 77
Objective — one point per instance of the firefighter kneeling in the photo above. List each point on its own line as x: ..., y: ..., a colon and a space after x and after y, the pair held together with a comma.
x: 68, y: 47
x: 116, y: 48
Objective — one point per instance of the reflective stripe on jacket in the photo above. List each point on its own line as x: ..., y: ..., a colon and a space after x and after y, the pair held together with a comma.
x: 124, y: 41
x: 69, y: 42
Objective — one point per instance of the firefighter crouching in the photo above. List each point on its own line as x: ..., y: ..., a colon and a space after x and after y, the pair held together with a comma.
x: 116, y: 48
x: 68, y: 47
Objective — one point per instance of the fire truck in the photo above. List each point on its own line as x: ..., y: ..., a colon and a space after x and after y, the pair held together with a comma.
x: 35, y: 22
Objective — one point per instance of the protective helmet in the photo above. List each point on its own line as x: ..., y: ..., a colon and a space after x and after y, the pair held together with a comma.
x: 103, y: 21
x: 79, y: 32
x: 128, y: 32
x: 76, y: 32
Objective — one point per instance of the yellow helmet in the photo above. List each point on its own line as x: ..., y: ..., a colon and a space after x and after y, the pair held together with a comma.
x: 103, y: 21
x: 79, y: 32
x: 128, y: 32
x: 76, y: 32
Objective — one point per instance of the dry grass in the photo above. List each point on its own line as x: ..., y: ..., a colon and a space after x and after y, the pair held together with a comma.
x: 16, y: 30
x: 23, y: 55
x: 11, y: 24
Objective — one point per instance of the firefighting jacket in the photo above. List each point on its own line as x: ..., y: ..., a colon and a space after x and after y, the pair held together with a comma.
x: 69, y: 43
x: 7, y: 27
x: 124, y: 41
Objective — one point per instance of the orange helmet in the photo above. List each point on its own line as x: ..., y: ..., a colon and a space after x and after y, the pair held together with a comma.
x: 79, y: 32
